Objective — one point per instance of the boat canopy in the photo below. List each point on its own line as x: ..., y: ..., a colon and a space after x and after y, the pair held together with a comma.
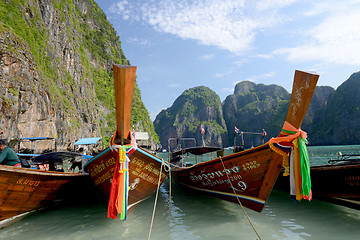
x: 27, y: 154
x: 196, y: 150
x: 87, y: 141
x: 56, y: 157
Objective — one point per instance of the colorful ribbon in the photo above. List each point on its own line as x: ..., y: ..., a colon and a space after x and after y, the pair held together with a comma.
x: 119, y: 190
x: 301, y: 166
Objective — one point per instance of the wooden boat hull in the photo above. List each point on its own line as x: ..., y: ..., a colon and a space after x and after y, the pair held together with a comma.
x: 249, y: 176
x: 252, y: 174
x: 331, y: 182
x: 144, y: 170
x: 23, y: 190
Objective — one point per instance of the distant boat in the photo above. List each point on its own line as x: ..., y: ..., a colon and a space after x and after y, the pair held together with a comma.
x: 179, y: 154
x: 337, y: 183
x: 144, y: 169
x: 247, y: 177
x: 25, y: 190
x: 37, y: 144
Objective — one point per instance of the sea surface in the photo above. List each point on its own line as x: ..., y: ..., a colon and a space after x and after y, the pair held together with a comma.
x: 198, y: 217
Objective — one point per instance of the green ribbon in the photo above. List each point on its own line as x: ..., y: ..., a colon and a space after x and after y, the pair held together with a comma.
x: 304, y: 167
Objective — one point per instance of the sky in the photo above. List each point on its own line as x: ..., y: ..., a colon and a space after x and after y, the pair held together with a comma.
x: 180, y: 44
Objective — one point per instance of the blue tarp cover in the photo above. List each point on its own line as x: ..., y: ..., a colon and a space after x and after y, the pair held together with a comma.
x: 87, y: 141
x: 27, y: 154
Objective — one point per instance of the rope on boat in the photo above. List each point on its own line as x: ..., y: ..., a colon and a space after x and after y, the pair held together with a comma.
x: 157, y: 193
x: 247, y: 217
x: 168, y: 169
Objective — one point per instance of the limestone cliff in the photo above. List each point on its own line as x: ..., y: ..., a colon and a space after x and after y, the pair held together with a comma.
x: 56, y: 71
x: 254, y: 107
x: 194, y: 107
x: 338, y: 121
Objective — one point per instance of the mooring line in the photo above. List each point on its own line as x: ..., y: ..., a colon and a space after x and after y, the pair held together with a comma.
x: 157, y: 193
x: 232, y: 187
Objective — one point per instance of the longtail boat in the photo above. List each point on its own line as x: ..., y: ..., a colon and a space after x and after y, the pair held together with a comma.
x: 24, y: 190
x: 336, y: 183
x: 124, y: 172
x: 247, y: 177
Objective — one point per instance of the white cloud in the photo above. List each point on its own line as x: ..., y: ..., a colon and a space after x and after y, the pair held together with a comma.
x: 265, y: 5
x: 121, y: 7
x: 230, y: 24
x: 264, y: 56
x: 334, y: 40
x: 207, y: 57
x: 141, y: 42
x: 262, y: 77
x: 234, y: 25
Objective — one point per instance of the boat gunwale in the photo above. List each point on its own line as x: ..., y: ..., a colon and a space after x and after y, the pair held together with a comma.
x: 225, y: 158
x: 140, y: 149
x: 30, y: 171
x: 335, y: 167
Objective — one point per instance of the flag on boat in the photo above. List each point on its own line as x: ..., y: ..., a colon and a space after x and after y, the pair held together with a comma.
x: 202, y: 129
x: 264, y: 133
x: 237, y: 130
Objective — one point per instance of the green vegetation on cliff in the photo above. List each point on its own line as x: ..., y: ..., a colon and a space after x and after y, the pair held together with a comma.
x: 195, y: 106
x: 73, y: 47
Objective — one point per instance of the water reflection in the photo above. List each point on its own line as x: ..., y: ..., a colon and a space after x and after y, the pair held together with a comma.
x: 193, y: 216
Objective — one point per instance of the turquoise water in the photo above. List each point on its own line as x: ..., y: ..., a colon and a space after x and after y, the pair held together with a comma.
x: 198, y: 217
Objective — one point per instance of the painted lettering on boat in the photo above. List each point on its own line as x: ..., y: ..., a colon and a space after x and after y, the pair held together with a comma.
x: 144, y: 172
x: 151, y: 168
x: 145, y: 176
x: 250, y: 165
x: 353, y: 181
x: 28, y: 182
x: 138, y: 162
x: 215, y: 174
x: 239, y: 186
x: 103, y: 178
x: 224, y: 176
x: 98, y: 168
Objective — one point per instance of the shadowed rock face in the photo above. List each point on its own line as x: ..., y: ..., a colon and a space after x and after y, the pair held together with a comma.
x: 196, y: 106
x: 52, y: 68
x: 30, y: 104
x: 337, y: 121
x: 254, y: 107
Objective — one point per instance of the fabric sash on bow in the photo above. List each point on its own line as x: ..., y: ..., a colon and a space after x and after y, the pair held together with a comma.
x: 299, y: 164
x: 120, y: 183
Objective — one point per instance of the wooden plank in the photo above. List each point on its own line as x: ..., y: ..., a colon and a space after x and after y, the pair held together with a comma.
x: 124, y: 81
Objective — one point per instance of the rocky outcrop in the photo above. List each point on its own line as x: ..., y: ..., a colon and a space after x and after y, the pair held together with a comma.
x: 56, y: 71
x: 339, y: 122
x: 254, y: 107
x: 195, y: 107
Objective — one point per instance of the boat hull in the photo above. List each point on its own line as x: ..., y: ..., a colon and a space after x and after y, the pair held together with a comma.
x: 252, y: 174
x: 338, y: 182
x: 144, y: 171
x: 24, y: 190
